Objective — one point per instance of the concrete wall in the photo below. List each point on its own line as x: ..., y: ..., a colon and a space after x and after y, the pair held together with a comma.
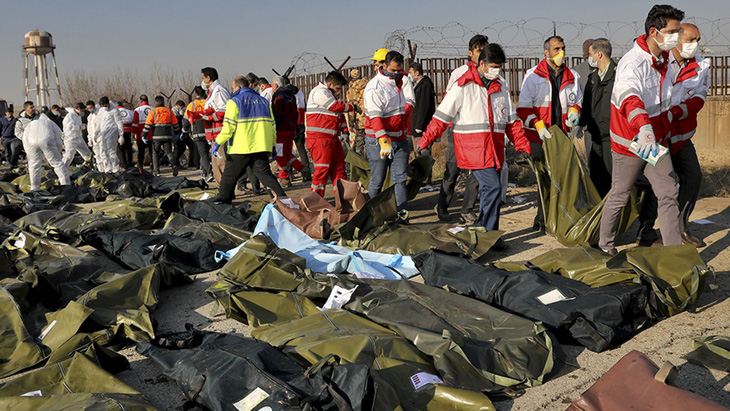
x: 713, y: 125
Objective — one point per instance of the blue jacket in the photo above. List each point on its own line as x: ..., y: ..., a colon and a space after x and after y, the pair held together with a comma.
x: 7, y: 127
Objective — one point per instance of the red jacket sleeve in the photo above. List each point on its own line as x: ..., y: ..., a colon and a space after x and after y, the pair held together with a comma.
x: 516, y: 134
x: 434, y: 130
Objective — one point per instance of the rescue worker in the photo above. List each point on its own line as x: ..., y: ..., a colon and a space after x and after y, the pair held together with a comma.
x: 91, y: 114
x: 299, y: 138
x: 691, y: 84
x: 389, y: 102
x: 596, y: 114
x: 183, y: 141
x: 265, y: 89
x: 324, y: 122
x: 12, y: 145
x: 481, y: 108
x: 550, y: 95
x: 197, y: 131
x: 162, y: 125
x: 73, y: 140
x: 640, y: 107
x: 213, y: 113
x: 125, y: 151
x: 250, y: 131
x: 138, y: 120
x: 41, y: 138
x: 106, y: 132
x: 451, y: 170
x: 355, y: 121
x: 284, y: 108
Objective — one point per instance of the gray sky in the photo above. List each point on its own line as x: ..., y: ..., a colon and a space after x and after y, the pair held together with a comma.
x: 241, y: 36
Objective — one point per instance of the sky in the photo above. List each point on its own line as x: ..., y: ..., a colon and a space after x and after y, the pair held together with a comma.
x: 239, y: 36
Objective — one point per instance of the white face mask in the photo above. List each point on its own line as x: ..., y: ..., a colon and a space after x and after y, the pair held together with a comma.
x: 688, y: 50
x: 203, y: 85
x: 492, y: 73
x: 670, y: 41
x: 591, y: 62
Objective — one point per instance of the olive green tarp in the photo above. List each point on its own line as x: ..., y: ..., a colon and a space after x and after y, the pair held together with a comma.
x: 77, y: 383
x: 712, y: 351
x: 473, y: 345
x: 71, y: 227
x: 571, y: 204
x: 148, y: 217
x: 219, y: 234
x: 675, y: 275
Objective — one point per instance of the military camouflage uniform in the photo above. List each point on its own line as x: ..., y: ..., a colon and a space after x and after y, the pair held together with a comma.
x: 354, y: 95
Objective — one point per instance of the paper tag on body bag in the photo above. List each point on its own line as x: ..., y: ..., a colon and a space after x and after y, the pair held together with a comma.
x: 553, y: 297
x: 279, y: 149
x: 251, y: 400
x: 338, y: 297
x: 289, y: 203
x: 36, y: 393
x: 424, y: 378
x: 48, y: 329
x: 455, y: 230
x: 20, y: 242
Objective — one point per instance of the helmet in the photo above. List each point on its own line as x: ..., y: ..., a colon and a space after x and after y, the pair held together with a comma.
x: 379, y: 54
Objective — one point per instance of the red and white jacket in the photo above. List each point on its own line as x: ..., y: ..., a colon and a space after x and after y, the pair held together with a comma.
x: 325, y: 114
x: 535, y: 102
x: 482, y: 116
x: 388, y: 107
x: 214, y: 110
x: 301, y: 107
x: 642, y: 94
x: 268, y: 93
x: 127, y: 118
x: 139, y: 116
x: 688, y: 97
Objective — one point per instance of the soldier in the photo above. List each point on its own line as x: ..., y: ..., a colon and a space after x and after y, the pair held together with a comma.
x: 355, y: 121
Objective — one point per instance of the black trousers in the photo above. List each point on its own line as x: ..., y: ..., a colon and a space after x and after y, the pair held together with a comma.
x: 302, y: 146
x: 448, y: 186
x: 13, y: 147
x: 687, y: 167
x: 141, y: 148
x: 181, y: 145
x: 600, y: 166
x: 125, y: 152
x: 204, y: 156
x: 162, y: 146
x: 236, y: 165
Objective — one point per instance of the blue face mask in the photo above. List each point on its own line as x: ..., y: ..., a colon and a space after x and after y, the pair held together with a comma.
x: 395, y: 76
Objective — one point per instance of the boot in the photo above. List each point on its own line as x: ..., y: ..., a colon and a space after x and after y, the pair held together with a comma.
x: 306, y: 174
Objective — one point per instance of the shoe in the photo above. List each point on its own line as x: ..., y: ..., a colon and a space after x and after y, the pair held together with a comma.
x: 688, y: 238
x: 647, y: 238
x: 612, y: 252
x: 285, y: 182
x: 443, y: 215
x: 306, y: 174
x: 500, y: 245
x: 174, y: 171
x: 156, y: 173
x: 469, y: 218
x: 209, y: 178
x: 258, y: 191
x: 658, y: 243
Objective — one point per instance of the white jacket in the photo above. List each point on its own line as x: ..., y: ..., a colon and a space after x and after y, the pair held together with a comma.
x: 455, y: 75
x: 268, y: 93
x: 107, y: 124
x: 43, y: 131
x: 388, y: 109
x: 218, y: 97
x: 72, y: 124
x: 21, y: 124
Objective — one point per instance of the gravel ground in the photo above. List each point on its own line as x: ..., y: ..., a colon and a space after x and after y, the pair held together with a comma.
x: 668, y: 340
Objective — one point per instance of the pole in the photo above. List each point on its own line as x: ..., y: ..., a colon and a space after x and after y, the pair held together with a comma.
x: 58, y: 82
x: 25, y: 72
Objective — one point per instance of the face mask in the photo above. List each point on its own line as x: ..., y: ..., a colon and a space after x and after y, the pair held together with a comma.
x: 410, y: 77
x: 688, y: 50
x: 203, y: 85
x: 670, y: 41
x: 591, y: 62
x: 558, y: 60
x: 394, y: 76
x: 492, y: 73
x: 55, y: 113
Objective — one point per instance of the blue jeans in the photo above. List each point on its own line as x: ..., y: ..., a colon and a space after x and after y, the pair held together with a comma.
x: 398, y: 169
x: 490, y: 193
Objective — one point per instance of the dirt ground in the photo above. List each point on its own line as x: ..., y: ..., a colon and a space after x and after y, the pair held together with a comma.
x: 668, y: 340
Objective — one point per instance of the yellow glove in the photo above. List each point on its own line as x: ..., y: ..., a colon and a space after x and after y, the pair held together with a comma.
x: 386, y: 147
x: 542, y: 131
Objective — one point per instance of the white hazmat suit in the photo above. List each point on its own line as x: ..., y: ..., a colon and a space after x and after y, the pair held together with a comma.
x: 73, y: 140
x: 42, y: 138
x: 107, y: 127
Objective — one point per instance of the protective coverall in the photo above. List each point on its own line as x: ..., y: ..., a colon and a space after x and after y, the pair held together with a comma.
x: 73, y: 140
x: 106, y: 131
x: 42, y: 138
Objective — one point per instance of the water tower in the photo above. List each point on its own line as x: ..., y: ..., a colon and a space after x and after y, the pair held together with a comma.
x: 38, y: 44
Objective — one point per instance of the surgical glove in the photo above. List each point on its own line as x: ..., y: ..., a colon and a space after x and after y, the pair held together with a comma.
x: 182, y: 137
x: 214, y: 150
x: 145, y: 141
x: 386, y: 147
x: 542, y: 131
x: 573, y: 117
x: 646, y: 140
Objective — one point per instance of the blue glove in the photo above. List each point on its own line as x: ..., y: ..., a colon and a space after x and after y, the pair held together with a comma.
x: 182, y: 137
x: 144, y: 140
x: 214, y: 150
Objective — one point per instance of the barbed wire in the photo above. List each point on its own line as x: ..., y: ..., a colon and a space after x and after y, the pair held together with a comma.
x: 522, y: 38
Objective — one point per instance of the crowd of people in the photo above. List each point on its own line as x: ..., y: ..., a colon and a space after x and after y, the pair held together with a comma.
x: 629, y: 111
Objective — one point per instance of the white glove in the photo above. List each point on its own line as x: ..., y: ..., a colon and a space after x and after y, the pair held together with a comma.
x: 573, y: 117
x: 646, y: 141
x: 542, y: 131
x: 120, y: 140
